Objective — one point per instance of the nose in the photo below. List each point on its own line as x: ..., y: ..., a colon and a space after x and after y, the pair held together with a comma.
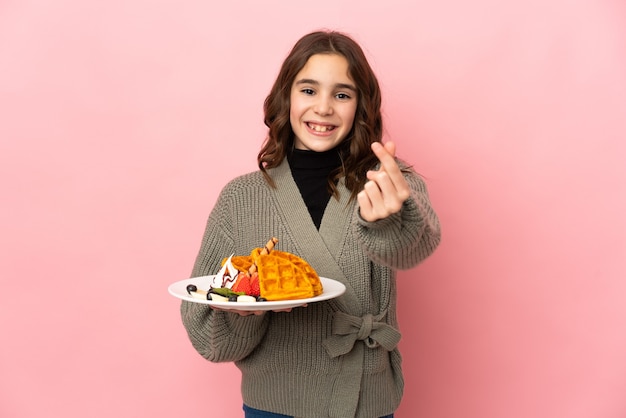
x: 323, y: 105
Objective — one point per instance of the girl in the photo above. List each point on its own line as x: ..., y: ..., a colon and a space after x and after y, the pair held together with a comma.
x: 333, y: 194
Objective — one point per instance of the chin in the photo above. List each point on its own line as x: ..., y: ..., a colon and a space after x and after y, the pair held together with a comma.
x: 318, y: 145
x: 320, y: 148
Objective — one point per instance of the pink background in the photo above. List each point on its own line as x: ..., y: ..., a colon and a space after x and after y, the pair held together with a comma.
x: 120, y: 121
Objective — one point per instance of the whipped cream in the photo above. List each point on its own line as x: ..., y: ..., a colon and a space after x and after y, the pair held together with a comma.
x: 227, y: 275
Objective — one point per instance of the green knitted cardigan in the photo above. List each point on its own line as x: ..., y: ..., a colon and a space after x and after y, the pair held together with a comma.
x: 335, y: 358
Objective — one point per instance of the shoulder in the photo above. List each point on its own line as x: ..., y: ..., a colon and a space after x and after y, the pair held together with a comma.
x: 242, y: 185
x: 257, y: 178
x: 252, y: 179
x: 239, y: 192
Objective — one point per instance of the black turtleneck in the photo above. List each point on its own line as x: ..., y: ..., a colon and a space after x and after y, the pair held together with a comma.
x: 310, y: 171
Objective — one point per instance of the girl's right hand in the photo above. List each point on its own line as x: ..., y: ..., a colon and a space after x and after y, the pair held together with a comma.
x: 241, y: 313
x: 257, y: 313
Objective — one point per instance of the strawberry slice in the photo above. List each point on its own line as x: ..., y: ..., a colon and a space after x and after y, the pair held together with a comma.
x: 255, y: 288
x: 242, y: 284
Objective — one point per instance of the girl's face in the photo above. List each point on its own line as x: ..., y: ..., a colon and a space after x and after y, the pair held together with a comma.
x: 323, y: 103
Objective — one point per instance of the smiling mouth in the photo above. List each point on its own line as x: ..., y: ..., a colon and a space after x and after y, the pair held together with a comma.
x: 320, y: 128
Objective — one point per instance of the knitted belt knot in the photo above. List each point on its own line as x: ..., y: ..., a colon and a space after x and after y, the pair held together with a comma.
x: 347, y: 329
x: 366, y: 328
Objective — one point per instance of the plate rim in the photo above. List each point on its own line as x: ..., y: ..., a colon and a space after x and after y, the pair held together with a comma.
x: 338, y: 289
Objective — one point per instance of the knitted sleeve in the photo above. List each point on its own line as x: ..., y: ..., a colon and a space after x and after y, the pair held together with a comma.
x: 220, y: 336
x: 406, y: 238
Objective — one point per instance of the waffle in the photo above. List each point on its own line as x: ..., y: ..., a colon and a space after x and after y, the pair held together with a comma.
x: 303, y: 266
x: 285, y: 276
x: 246, y: 263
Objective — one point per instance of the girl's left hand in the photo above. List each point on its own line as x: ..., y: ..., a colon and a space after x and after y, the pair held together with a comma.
x: 386, y: 188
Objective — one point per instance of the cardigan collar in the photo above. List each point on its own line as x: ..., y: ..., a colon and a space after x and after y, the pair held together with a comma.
x: 319, y: 248
x: 352, y: 329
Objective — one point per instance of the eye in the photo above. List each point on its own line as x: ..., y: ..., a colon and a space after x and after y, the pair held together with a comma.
x: 308, y: 92
x: 342, y: 96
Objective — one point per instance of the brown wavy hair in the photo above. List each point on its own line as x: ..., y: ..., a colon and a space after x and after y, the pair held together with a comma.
x: 355, y: 150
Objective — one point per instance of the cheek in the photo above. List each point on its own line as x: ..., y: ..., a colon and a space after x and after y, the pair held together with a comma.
x: 294, y: 110
x: 293, y: 117
x: 349, y: 116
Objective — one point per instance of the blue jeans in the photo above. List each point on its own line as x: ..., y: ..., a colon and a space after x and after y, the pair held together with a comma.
x: 255, y: 413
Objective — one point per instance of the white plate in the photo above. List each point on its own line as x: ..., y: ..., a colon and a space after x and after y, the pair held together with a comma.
x: 332, y: 289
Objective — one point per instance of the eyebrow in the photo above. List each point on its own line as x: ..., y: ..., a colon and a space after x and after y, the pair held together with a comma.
x: 316, y: 83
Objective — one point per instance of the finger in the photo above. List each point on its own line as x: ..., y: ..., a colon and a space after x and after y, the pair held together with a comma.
x: 371, y: 203
x: 386, y: 200
x: 390, y: 146
x: 365, y: 205
x: 385, y: 154
x: 394, y: 191
x: 248, y: 313
x: 381, y: 178
x: 239, y: 312
x: 374, y: 194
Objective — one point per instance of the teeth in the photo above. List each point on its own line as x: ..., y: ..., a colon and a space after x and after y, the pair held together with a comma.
x: 320, y: 128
